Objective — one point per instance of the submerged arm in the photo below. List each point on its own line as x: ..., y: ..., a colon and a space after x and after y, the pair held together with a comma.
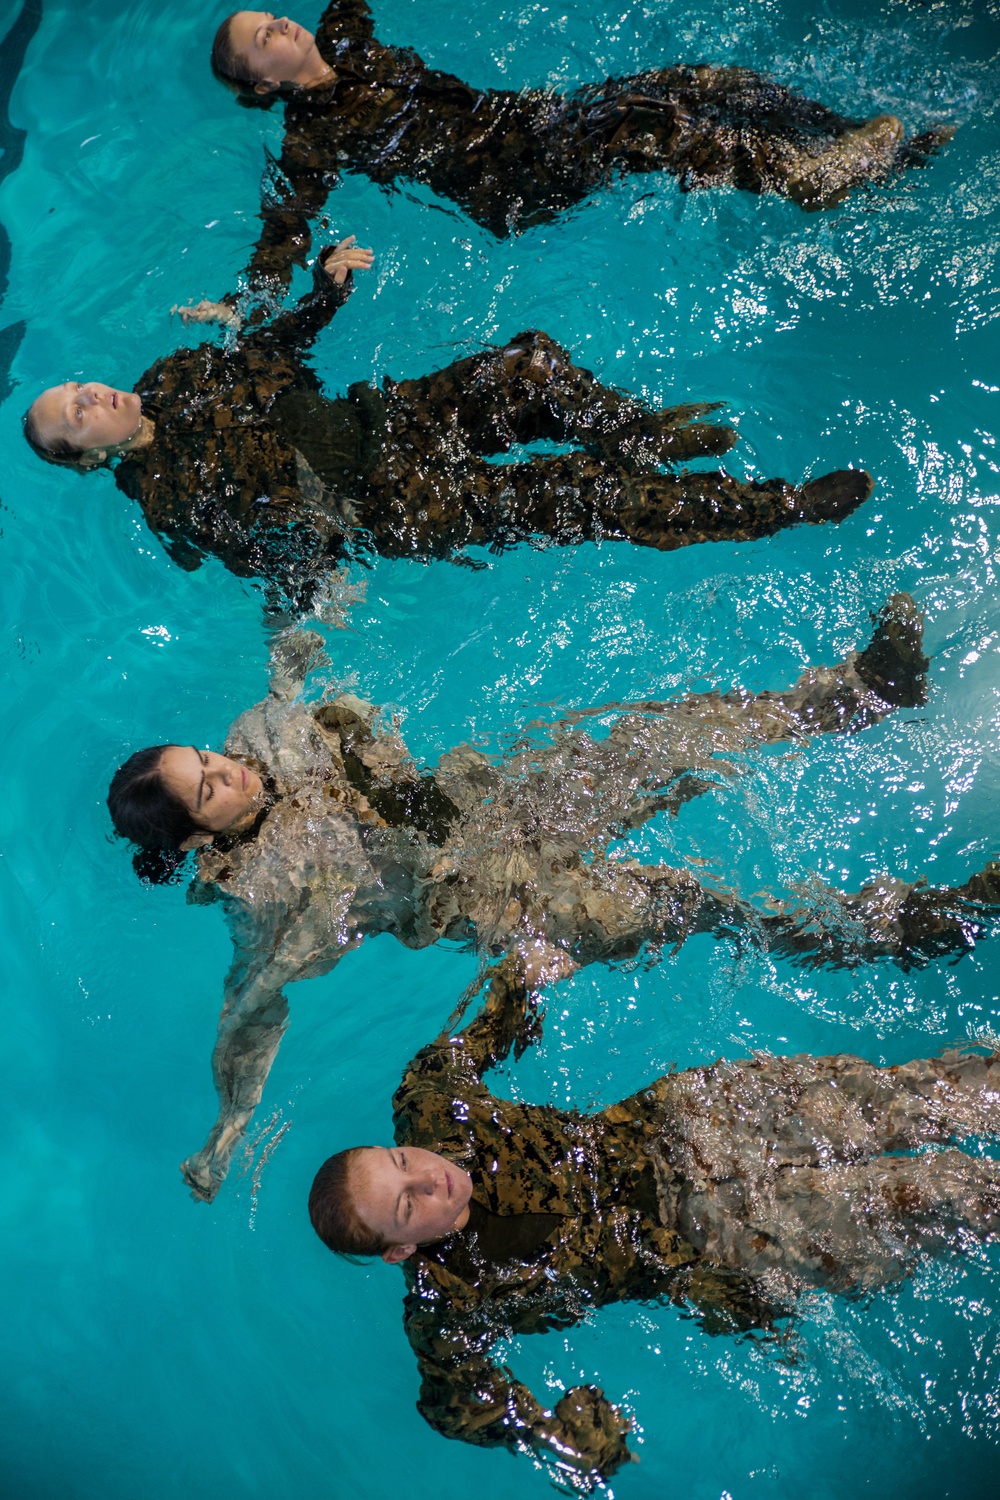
x: 253, y: 1021
x: 464, y: 1395
x: 344, y: 20
x: 457, y: 1060
x: 293, y: 192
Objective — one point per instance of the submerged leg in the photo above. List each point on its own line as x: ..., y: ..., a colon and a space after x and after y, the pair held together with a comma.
x: 530, y: 390
x: 421, y: 504
x: 711, y: 126
x: 851, y: 1228
x: 910, y: 922
x: 659, y: 754
x: 777, y: 1166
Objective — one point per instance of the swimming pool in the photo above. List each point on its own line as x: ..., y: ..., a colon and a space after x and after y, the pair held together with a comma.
x: 160, y: 1348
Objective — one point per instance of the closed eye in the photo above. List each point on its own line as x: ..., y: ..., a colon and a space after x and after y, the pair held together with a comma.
x: 205, y: 789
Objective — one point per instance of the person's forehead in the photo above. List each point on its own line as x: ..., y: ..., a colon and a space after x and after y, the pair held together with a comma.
x: 53, y: 402
x: 246, y: 23
x: 181, y: 761
x: 375, y: 1169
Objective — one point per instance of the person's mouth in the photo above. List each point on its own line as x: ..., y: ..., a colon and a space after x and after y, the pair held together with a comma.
x: 243, y: 778
x: 114, y: 399
x: 448, y: 1183
x: 298, y: 33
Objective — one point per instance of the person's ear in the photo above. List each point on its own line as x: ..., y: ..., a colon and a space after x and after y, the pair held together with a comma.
x: 395, y: 1253
x: 92, y: 458
x: 264, y: 86
x: 196, y: 841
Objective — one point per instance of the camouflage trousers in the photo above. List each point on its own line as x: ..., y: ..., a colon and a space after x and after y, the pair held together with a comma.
x: 828, y: 1171
x: 433, y: 491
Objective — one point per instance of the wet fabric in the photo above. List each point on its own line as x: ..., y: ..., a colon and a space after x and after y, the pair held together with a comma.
x: 512, y: 159
x: 251, y: 462
x: 727, y: 1189
x: 497, y: 853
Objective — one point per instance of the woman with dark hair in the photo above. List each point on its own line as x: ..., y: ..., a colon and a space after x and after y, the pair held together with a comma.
x: 726, y: 1189
x: 513, y: 159
x: 234, y: 450
x: 316, y: 830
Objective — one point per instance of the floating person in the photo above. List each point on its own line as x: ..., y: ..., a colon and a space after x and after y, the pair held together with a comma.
x: 726, y: 1189
x: 316, y: 830
x: 234, y: 450
x: 511, y: 159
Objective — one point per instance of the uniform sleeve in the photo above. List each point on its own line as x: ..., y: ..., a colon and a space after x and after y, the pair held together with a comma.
x: 297, y: 328
x: 271, y: 951
x: 456, y: 1061
x: 464, y: 1395
x: 349, y: 20
x: 294, y: 191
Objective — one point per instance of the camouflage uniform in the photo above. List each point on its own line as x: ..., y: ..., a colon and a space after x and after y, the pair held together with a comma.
x: 503, y: 853
x: 725, y: 1188
x: 513, y: 159
x: 252, y: 463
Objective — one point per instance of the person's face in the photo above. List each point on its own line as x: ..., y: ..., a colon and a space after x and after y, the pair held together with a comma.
x: 218, y: 792
x: 408, y: 1196
x: 88, y: 416
x: 276, y: 49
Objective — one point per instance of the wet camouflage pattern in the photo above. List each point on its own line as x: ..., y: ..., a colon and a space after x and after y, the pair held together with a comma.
x: 500, y: 853
x: 252, y: 463
x: 218, y: 477
x: 513, y: 159
x: 725, y: 1189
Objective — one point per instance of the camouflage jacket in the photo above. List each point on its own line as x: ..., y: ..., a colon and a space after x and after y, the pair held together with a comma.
x: 221, y: 475
x: 509, y: 158
x: 570, y: 1212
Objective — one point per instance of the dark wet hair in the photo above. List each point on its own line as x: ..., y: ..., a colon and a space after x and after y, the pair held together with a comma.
x: 232, y: 69
x: 60, y: 452
x: 332, y: 1211
x: 146, y: 812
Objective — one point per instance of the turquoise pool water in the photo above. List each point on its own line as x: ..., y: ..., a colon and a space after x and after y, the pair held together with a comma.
x: 158, y: 1349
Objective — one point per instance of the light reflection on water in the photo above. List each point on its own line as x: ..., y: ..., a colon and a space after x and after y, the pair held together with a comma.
x: 192, y: 1351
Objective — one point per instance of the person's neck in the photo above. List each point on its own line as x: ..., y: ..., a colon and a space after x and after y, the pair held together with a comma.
x: 315, y: 70
x: 142, y: 437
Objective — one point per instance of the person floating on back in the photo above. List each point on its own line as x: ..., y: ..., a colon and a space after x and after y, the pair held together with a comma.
x: 316, y: 831
x: 727, y: 1189
x: 511, y: 159
x: 233, y: 449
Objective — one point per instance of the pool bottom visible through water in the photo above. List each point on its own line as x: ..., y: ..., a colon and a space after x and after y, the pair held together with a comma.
x: 160, y: 1348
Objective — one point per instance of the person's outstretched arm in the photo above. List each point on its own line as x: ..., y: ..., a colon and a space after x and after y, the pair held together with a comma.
x: 296, y: 327
x: 294, y: 190
x: 507, y: 1019
x: 464, y: 1395
x: 273, y: 947
x: 253, y: 1021
x: 344, y: 20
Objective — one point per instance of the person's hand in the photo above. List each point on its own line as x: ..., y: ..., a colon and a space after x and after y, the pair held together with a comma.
x: 544, y: 964
x: 207, y: 312
x: 344, y: 257
x: 590, y: 1433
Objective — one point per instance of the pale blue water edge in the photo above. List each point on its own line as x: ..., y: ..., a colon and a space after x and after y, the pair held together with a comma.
x: 159, y: 1349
